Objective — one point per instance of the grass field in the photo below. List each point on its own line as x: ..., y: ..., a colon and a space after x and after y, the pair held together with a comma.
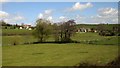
x: 58, y: 54
x: 93, y: 49
x: 84, y: 38
x: 108, y: 26
x: 94, y: 38
x: 16, y: 32
x: 6, y: 40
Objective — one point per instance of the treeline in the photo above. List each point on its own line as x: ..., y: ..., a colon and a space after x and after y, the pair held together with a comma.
x: 106, y: 30
x: 103, y: 29
x: 61, y: 31
x: 5, y: 25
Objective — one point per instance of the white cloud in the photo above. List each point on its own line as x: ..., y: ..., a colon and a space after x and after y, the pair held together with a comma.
x: 3, y: 14
x: 18, y: 18
x: 40, y: 15
x: 50, y: 18
x: 108, y: 11
x: 13, y: 19
x: 115, y: 20
x: 63, y: 18
x: 3, y: 0
x: 48, y: 11
x: 79, y: 19
x: 79, y: 6
x: 46, y: 15
x: 10, y: 18
x: 106, y: 15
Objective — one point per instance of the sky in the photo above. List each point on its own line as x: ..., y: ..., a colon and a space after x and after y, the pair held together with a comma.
x: 81, y: 12
x: 60, y: 0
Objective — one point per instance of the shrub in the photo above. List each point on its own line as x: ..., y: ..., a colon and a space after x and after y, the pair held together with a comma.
x: 106, y: 33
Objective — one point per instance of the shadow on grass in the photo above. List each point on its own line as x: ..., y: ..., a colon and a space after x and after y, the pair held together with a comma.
x: 37, y: 53
x: 55, y: 42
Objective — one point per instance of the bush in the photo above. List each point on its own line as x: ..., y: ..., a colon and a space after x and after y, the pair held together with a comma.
x: 115, y: 62
x: 106, y: 33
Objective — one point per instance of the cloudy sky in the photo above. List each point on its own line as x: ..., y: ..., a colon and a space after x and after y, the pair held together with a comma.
x: 82, y: 12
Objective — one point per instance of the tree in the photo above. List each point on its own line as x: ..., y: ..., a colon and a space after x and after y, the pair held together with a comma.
x: 65, y: 30
x: 69, y: 29
x: 42, y: 30
x: 56, y: 32
x: 116, y: 30
x: 101, y: 27
x: 2, y: 23
x: 104, y: 31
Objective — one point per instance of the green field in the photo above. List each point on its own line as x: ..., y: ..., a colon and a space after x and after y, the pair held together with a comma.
x: 84, y: 38
x: 58, y: 54
x: 108, y: 26
x: 93, y: 49
x: 6, y: 32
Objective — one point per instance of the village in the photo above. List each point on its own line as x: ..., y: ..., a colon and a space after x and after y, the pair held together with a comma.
x: 16, y: 26
x: 30, y: 27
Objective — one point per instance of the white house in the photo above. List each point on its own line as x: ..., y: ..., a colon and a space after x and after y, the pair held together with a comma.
x: 21, y: 27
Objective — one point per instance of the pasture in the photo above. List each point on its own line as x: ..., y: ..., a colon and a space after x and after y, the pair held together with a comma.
x: 84, y: 38
x: 11, y: 32
x: 93, y: 49
x: 58, y: 54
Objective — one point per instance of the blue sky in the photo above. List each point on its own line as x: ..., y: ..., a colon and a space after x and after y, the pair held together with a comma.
x: 60, y: 0
x: 28, y: 12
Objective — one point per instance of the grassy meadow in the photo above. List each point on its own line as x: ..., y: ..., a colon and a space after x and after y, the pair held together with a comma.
x: 84, y: 38
x: 16, y: 32
x: 93, y: 49
x: 58, y: 54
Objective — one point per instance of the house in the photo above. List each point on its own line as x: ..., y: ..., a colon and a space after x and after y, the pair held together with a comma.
x: 26, y: 26
x: 83, y: 30
x: 29, y: 27
x: 21, y: 28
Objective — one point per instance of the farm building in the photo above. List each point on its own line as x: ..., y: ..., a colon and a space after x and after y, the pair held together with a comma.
x: 29, y: 27
x: 85, y: 30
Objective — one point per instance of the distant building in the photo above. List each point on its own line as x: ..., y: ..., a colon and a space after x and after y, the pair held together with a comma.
x: 82, y: 30
x: 21, y: 27
x: 29, y: 27
x: 85, y: 30
x: 26, y: 26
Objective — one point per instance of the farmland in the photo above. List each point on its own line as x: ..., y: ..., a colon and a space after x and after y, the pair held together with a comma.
x: 84, y: 38
x: 58, y: 54
x: 92, y: 48
x: 9, y: 32
x: 70, y: 34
